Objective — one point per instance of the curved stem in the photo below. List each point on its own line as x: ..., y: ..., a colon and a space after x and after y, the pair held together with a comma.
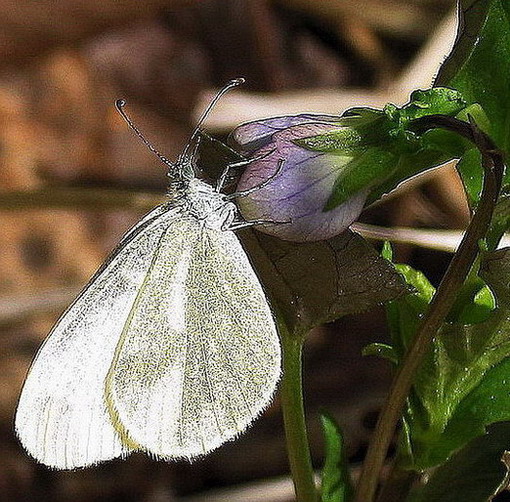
x: 441, y: 303
x: 291, y: 393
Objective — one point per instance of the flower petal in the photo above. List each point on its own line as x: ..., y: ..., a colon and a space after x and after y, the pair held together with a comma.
x: 254, y: 135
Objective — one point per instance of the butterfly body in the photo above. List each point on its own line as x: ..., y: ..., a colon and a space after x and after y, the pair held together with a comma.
x: 204, y: 203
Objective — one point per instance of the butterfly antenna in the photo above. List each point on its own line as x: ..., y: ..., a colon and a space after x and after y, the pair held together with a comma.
x: 120, y: 104
x: 233, y: 83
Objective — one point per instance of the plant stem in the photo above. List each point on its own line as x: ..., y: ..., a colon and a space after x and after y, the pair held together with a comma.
x: 293, y: 410
x: 79, y: 198
x: 441, y: 303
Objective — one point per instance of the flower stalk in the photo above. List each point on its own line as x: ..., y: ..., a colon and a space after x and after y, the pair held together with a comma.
x: 293, y: 410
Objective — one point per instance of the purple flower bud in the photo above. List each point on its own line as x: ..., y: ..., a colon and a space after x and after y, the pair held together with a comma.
x: 296, y: 197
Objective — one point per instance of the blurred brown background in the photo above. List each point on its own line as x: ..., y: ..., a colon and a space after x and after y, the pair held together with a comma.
x: 62, y: 65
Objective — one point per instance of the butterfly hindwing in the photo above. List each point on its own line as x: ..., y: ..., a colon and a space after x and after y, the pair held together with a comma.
x: 200, y: 357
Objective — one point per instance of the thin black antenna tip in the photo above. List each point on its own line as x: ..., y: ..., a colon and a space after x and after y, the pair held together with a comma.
x: 120, y: 103
x: 237, y: 81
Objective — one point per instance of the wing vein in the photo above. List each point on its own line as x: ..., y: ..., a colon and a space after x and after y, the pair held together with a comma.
x: 183, y: 388
x: 209, y: 386
x: 235, y: 374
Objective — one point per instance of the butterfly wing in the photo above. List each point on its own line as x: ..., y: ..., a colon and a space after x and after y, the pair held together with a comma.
x: 62, y: 417
x: 200, y: 356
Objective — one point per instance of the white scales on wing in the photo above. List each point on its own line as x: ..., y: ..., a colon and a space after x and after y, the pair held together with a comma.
x: 170, y: 349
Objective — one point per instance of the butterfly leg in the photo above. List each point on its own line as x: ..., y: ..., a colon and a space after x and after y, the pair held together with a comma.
x: 248, y: 224
x: 221, y: 180
x: 244, y: 193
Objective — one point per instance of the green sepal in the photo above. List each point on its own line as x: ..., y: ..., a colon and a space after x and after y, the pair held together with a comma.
x: 358, y: 129
x: 438, y: 100
x: 384, y: 151
x: 360, y: 173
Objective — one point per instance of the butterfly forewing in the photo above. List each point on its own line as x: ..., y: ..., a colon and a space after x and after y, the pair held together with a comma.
x: 62, y: 418
x: 199, y: 357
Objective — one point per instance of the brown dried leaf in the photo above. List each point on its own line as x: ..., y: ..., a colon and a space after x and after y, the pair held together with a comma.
x: 313, y: 283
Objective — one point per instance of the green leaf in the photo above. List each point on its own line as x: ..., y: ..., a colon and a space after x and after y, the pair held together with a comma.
x: 478, y: 67
x: 473, y: 15
x: 480, y: 63
x: 473, y: 474
x: 387, y: 251
x: 471, y: 172
x: 404, y: 314
x: 317, y: 282
x: 336, y: 484
x: 487, y: 403
x: 463, y: 385
x: 476, y: 113
x: 479, y: 308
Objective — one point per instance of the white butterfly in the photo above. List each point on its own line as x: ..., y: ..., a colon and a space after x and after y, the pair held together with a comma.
x: 170, y: 349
